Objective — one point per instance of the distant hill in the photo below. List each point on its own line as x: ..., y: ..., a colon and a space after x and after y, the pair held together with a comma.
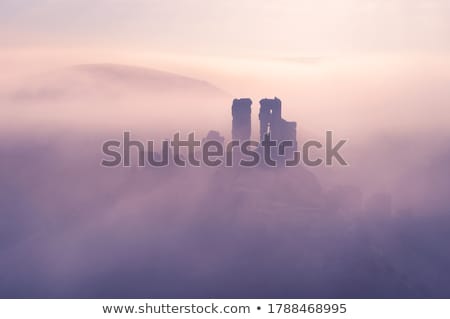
x: 111, y: 80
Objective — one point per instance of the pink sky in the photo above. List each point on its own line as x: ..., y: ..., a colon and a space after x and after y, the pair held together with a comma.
x: 286, y: 28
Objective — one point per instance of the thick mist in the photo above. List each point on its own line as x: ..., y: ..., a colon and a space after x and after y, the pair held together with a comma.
x: 376, y: 228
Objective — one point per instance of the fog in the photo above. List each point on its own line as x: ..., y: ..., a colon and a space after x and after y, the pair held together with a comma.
x: 376, y: 228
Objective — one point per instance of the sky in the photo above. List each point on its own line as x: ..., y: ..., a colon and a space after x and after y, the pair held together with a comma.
x: 286, y: 28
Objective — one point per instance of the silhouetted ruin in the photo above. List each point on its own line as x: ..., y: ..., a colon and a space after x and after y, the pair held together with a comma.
x: 241, y: 111
x: 214, y: 136
x: 272, y: 123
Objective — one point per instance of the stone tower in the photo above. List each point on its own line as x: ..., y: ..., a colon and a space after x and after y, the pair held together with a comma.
x: 241, y: 111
